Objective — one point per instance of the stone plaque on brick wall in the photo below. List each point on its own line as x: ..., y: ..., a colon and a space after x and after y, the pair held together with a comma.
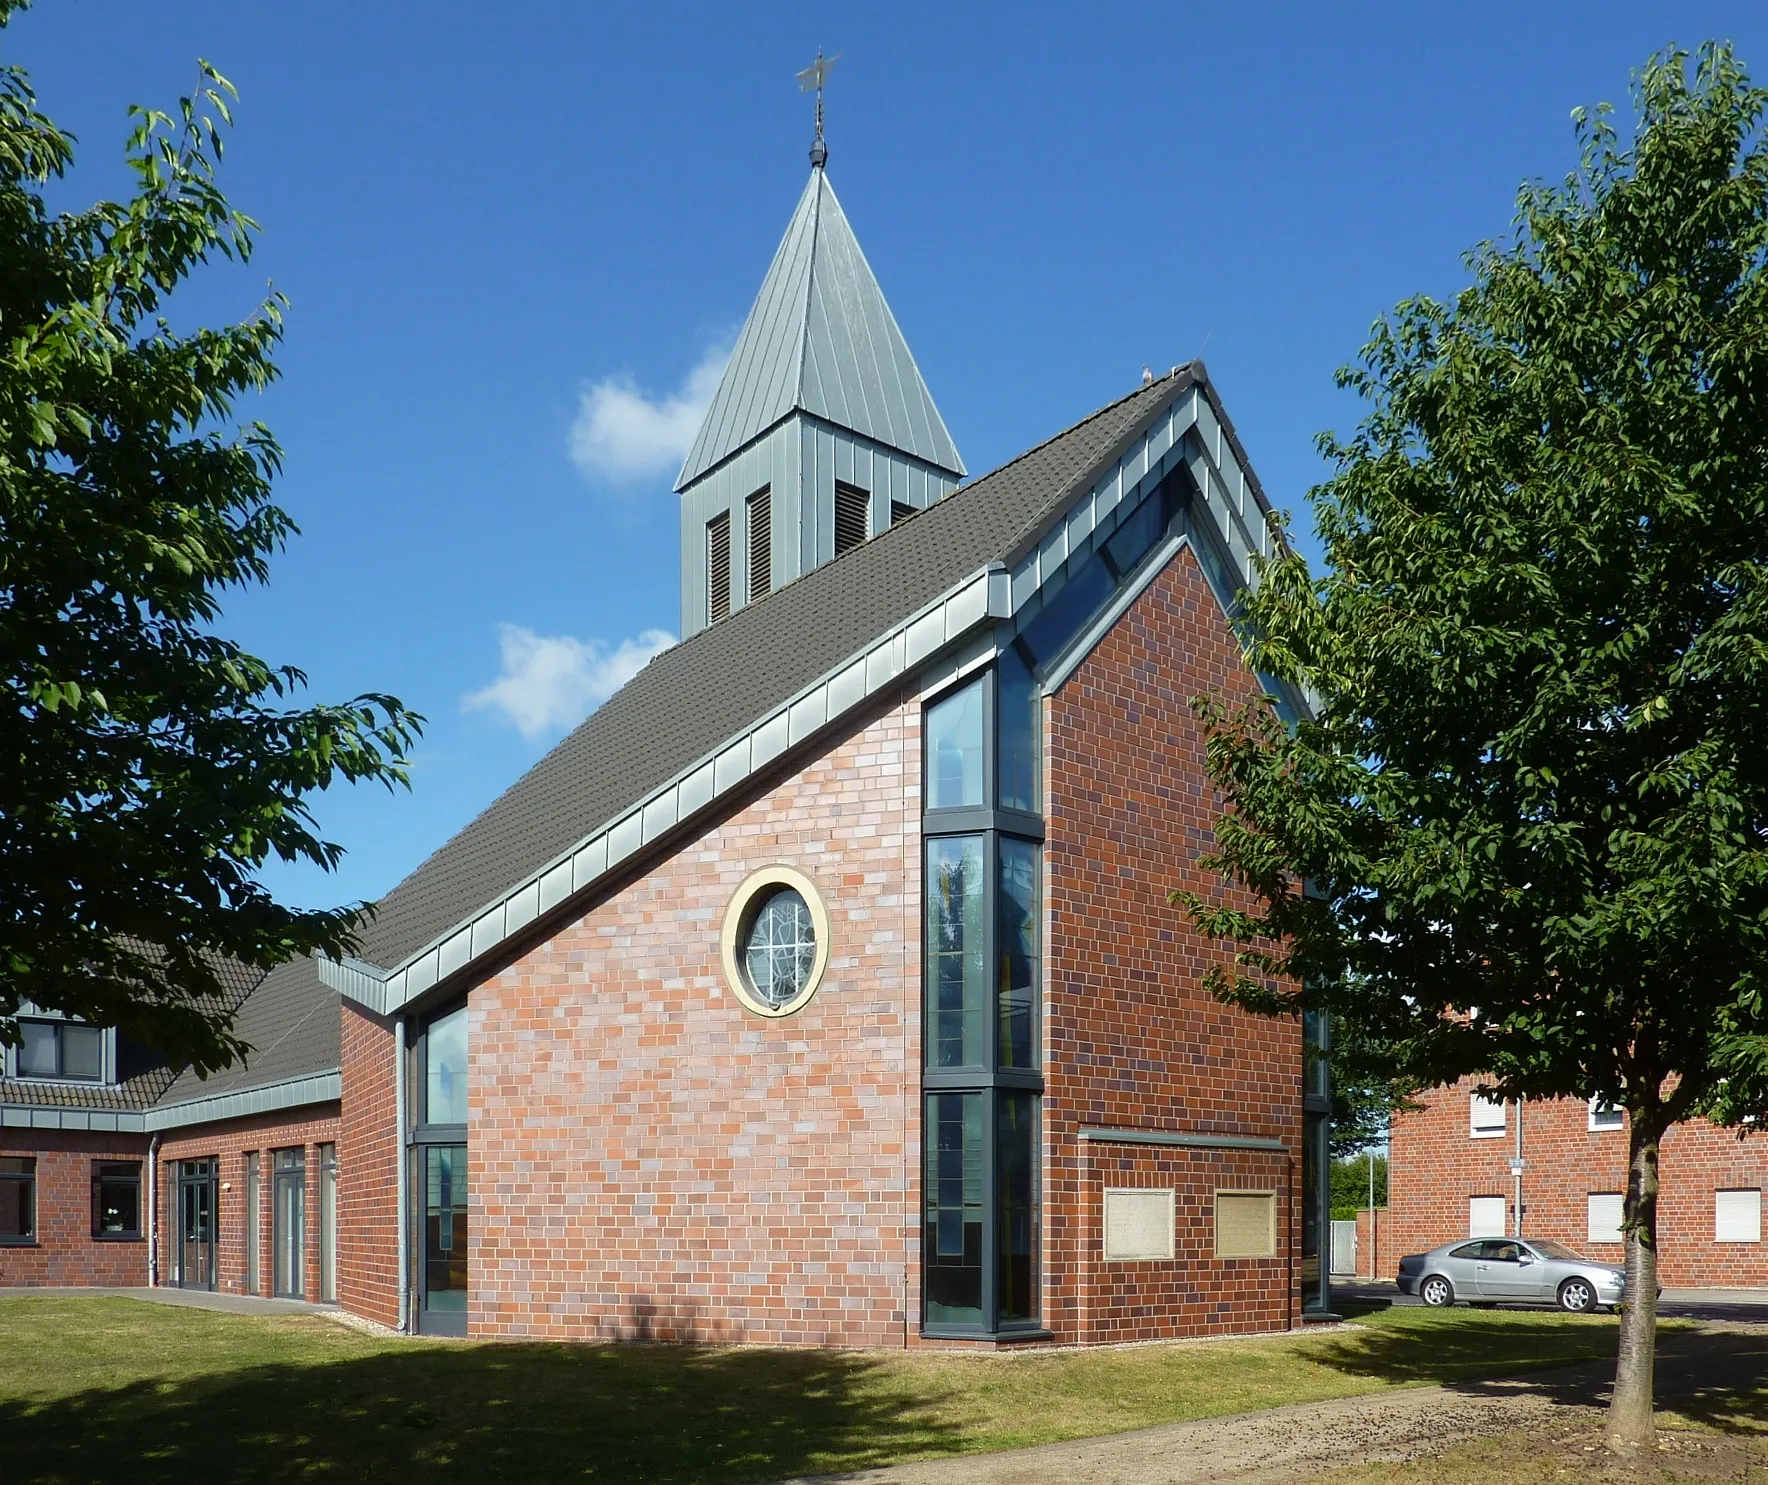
x: 1246, y: 1224
x: 1138, y: 1223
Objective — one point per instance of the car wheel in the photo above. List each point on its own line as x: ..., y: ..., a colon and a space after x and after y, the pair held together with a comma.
x: 1437, y: 1291
x: 1578, y: 1296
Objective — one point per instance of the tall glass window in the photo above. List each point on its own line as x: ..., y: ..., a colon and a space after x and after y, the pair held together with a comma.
x: 445, y: 1069
x: 1016, y: 941
x: 956, y: 969
x: 957, y: 1195
x: 289, y: 1222
x: 1017, y: 725
x: 254, y: 1222
x: 954, y: 749
x: 982, y: 963
x: 1016, y: 1200
x: 328, y: 1224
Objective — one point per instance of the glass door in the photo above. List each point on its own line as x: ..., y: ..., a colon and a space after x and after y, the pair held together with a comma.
x: 194, y: 1252
x: 443, y: 1291
x: 288, y: 1223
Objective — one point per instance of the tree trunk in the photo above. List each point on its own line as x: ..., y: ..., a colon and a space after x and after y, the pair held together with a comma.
x: 1630, y: 1425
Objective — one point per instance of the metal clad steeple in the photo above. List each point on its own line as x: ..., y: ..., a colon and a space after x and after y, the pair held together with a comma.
x: 821, y: 339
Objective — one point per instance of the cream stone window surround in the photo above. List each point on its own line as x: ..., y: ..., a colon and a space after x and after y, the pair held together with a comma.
x: 754, y: 889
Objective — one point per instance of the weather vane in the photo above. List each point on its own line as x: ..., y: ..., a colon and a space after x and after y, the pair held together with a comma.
x: 812, y: 79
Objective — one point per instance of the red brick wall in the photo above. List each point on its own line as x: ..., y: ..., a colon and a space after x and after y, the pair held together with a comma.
x: 1131, y: 1037
x: 1376, y: 1255
x: 228, y: 1141
x: 1434, y: 1166
x: 368, y: 1183
x: 65, y: 1251
x: 647, y: 1158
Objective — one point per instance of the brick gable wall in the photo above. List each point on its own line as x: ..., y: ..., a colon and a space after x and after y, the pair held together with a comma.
x: 648, y: 1159
x: 1435, y: 1166
x: 1132, y: 1038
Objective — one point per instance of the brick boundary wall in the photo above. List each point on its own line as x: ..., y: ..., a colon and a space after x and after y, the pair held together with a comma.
x: 1132, y: 1038
x: 1435, y: 1166
x: 65, y: 1251
x: 229, y: 1141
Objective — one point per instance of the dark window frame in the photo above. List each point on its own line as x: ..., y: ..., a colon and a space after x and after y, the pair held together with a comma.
x: 28, y: 1179
x: 120, y: 1173
x: 59, y: 1025
x: 989, y: 1080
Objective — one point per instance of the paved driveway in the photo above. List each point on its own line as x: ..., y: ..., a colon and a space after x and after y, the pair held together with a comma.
x: 1745, y: 1306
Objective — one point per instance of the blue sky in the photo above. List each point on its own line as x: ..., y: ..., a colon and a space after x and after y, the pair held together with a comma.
x: 495, y: 223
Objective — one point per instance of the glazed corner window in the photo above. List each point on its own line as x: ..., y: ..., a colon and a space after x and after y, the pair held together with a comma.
x: 445, y: 1069
x: 982, y: 957
x: 18, y: 1199
x: 62, y: 1050
x: 116, y: 1200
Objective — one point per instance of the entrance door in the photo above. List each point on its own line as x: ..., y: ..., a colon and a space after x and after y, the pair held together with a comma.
x: 443, y: 1282
x: 194, y: 1252
x: 288, y: 1222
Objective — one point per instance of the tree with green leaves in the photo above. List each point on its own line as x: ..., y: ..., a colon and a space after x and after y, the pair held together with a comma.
x: 1525, y: 838
x: 149, y: 767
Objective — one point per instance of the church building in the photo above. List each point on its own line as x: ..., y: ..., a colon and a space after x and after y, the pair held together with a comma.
x: 822, y: 986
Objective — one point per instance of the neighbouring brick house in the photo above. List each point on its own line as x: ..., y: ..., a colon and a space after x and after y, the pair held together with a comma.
x: 822, y: 986
x: 1452, y: 1172
x: 117, y: 1169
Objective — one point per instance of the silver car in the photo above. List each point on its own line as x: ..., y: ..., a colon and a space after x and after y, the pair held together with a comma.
x: 1511, y: 1271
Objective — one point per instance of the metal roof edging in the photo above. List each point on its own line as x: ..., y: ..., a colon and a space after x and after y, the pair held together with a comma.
x: 291, y: 1093
x: 325, y: 1087
x: 975, y: 602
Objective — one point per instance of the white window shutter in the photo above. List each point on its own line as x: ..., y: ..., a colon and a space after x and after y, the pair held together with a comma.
x: 1485, y: 1117
x: 1737, y: 1216
x: 1605, y: 1213
x: 1485, y: 1216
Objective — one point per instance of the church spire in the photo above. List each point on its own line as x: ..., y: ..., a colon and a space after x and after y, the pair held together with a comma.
x: 821, y: 434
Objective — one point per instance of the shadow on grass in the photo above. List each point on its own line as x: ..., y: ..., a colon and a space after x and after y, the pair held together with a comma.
x: 1715, y: 1378
x: 483, y: 1413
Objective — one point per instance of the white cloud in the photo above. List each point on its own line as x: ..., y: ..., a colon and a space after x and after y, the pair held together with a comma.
x: 551, y: 682
x: 622, y: 435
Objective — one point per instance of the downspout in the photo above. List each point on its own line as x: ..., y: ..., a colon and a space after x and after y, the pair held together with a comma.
x: 1516, y: 1166
x: 402, y: 1181
x: 153, y: 1212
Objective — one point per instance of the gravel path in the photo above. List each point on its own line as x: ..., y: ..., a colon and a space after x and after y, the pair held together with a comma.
x: 1283, y: 1444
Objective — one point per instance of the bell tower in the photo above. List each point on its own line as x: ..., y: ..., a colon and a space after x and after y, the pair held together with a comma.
x: 821, y: 433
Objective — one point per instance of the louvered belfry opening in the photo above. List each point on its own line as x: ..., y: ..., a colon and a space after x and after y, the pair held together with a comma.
x: 718, y: 567
x: 900, y: 510
x: 761, y: 543
x: 853, y: 516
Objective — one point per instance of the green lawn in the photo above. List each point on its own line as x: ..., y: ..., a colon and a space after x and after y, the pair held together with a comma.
x: 97, y: 1390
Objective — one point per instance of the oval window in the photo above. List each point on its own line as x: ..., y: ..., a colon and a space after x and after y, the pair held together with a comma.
x: 776, y: 941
